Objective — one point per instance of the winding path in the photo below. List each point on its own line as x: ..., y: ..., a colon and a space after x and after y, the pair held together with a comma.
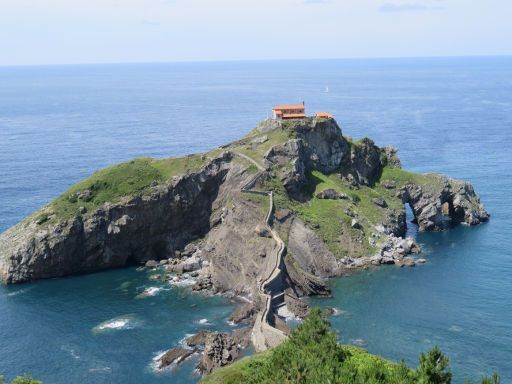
x: 264, y: 334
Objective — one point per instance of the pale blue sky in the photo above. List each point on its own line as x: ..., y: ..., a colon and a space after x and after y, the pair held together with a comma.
x: 103, y: 31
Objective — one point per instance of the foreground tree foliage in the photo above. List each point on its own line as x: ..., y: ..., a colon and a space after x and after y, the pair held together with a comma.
x: 312, y: 355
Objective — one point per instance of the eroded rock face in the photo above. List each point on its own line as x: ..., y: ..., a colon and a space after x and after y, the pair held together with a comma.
x: 134, y: 230
x: 364, y: 164
x: 443, y: 204
x: 324, y: 144
x: 220, y: 349
x: 291, y: 157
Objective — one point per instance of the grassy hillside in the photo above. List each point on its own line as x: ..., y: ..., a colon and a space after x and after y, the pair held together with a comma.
x: 111, y: 184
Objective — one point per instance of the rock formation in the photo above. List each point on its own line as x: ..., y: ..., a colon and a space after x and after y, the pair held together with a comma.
x: 162, y: 221
x: 337, y: 204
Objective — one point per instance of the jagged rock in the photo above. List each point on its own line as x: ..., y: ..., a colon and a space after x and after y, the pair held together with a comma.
x: 198, y: 339
x: 355, y: 224
x: 444, y: 203
x: 329, y: 311
x: 331, y: 194
x: 189, y: 250
x: 391, y: 155
x: 193, y: 263
x: 364, y: 163
x: 380, y: 202
x: 220, y: 349
x: 291, y: 157
x: 204, y: 282
x: 242, y: 337
x: 242, y: 313
x: 408, y: 261
x: 388, y: 184
x: 175, y: 355
x: 151, y: 264
x: 296, y: 306
x: 387, y: 260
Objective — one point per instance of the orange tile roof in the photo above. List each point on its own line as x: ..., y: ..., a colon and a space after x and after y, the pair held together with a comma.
x: 293, y: 115
x: 281, y: 107
x: 323, y: 114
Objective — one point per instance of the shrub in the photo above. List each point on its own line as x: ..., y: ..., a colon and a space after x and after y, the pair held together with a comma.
x: 434, y: 368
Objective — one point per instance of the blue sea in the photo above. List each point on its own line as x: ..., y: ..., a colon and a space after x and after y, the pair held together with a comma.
x: 58, y: 124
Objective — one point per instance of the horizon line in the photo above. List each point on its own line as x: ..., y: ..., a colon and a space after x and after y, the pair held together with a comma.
x: 469, y: 56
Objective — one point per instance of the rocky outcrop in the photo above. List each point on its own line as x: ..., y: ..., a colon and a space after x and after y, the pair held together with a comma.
x: 243, y: 313
x: 133, y: 230
x: 443, y: 203
x: 364, y: 164
x: 174, y: 356
x: 220, y: 349
x: 197, y: 340
x: 331, y: 194
x: 291, y: 159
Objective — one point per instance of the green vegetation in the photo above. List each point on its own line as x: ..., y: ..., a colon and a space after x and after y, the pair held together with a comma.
x: 22, y: 380
x: 111, y: 184
x: 257, y: 151
x: 402, y: 177
x: 312, y: 355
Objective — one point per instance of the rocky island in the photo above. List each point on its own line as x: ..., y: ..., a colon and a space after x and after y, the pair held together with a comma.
x: 267, y: 218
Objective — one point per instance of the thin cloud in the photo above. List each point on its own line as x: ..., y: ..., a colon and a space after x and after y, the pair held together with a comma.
x: 408, y: 7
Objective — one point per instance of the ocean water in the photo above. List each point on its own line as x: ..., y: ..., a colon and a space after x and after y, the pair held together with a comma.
x: 58, y: 124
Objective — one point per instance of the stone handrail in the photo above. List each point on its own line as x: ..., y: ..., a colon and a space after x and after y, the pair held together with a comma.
x: 264, y: 334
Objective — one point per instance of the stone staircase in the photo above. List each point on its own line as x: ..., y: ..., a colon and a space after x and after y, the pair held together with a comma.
x: 271, y: 288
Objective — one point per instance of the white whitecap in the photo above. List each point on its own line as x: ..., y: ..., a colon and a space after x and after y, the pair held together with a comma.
x: 182, y: 342
x: 338, y: 312
x: 204, y: 321
x: 115, y: 324
x: 149, y: 292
